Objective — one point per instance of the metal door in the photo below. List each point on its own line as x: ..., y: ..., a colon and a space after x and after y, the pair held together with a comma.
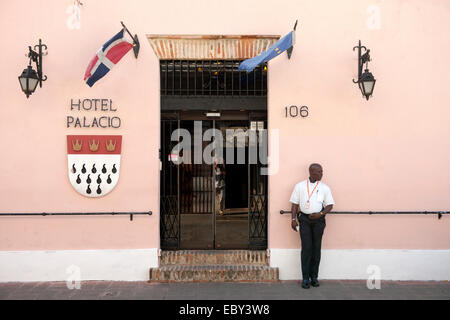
x: 169, y: 187
x: 258, y: 178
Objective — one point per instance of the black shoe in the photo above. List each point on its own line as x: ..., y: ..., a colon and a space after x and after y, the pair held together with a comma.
x: 305, y: 284
x: 315, y: 282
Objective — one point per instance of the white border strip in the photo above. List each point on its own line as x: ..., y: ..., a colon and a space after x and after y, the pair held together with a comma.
x: 425, y: 265
x: 115, y: 265
x: 134, y: 264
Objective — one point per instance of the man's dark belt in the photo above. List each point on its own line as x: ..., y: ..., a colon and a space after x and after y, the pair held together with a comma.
x: 303, y: 214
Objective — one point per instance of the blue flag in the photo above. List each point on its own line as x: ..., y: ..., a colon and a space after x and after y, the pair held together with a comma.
x: 279, y: 47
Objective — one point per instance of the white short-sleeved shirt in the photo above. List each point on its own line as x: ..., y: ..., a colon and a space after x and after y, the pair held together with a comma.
x: 320, y: 198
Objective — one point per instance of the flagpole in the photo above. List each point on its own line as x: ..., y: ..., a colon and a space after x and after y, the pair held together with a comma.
x: 136, y: 44
x: 289, y: 51
x: 126, y: 29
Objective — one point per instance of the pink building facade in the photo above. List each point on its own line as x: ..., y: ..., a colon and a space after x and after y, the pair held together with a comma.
x: 386, y: 154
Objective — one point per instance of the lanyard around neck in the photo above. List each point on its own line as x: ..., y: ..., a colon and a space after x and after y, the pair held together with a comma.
x: 307, y: 186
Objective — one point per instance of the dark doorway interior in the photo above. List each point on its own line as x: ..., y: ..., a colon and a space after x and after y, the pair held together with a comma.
x: 236, y: 186
x: 193, y: 215
x: 232, y: 230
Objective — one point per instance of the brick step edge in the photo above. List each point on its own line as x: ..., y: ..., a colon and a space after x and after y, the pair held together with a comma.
x: 214, y: 273
x: 214, y: 257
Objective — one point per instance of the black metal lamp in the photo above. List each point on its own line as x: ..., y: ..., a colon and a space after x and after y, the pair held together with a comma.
x: 29, y: 78
x: 366, y: 81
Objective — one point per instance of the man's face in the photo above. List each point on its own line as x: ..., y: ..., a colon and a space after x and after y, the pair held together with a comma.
x: 316, y: 173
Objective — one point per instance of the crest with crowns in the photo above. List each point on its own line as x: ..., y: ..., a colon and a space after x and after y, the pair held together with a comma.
x: 93, y: 163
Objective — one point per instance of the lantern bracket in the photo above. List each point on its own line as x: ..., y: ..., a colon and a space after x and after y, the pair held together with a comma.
x: 36, y: 57
x: 365, y: 58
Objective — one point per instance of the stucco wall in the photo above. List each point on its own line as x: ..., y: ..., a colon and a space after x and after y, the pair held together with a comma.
x: 388, y: 153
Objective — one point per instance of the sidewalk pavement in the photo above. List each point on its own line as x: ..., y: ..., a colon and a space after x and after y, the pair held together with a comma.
x: 282, y: 290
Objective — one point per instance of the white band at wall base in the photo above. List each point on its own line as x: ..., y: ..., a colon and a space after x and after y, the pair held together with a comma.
x: 134, y: 264
x: 64, y: 265
x: 423, y: 265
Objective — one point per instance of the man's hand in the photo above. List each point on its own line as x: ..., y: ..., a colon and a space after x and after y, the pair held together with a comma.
x: 294, y: 225
x: 314, y: 216
x: 294, y: 210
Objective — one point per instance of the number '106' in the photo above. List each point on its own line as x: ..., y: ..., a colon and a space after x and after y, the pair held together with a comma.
x: 294, y: 111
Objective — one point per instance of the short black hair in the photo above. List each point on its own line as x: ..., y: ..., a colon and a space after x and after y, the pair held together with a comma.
x: 312, y: 165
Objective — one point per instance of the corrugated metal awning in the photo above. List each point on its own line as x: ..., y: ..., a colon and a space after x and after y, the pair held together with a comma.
x: 209, y: 47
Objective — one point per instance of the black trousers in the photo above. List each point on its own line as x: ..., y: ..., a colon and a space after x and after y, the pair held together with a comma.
x: 311, y: 232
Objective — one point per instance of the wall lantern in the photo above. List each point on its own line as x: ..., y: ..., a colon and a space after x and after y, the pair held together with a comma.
x: 366, y: 81
x: 29, y: 78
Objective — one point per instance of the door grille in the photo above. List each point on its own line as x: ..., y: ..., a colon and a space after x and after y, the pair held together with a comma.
x: 258, y: 198
x: 211, y: 78
x: 197, y: 189
x: 258, y: 222
x: 169, y: 199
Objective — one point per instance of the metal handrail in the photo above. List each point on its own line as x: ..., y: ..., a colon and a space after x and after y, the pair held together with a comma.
x: 439, y: 213
x: 77, y: 214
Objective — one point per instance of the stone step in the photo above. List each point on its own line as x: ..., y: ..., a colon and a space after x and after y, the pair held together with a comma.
x: 214, y: 273
x: 214, y: 257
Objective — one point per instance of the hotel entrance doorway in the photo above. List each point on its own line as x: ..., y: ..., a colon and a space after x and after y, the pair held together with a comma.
x: 212, y: 195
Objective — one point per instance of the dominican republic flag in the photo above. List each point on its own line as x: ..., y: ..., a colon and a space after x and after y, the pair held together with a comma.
x: 107, y: 56
x: 275, y: 50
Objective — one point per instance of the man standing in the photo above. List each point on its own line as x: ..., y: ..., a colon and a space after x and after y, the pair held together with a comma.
x: 219, y: 169
x: 314, y: 200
